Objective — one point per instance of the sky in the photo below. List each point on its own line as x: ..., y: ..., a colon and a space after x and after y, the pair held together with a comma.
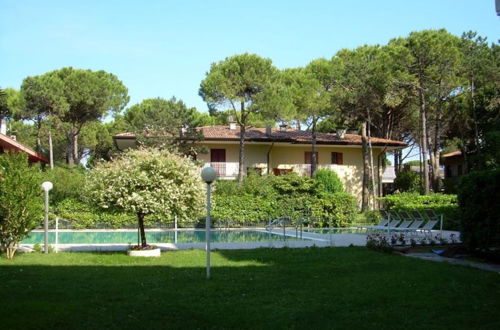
x: 164, y: 48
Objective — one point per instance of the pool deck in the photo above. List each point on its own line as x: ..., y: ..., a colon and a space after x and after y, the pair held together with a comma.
x: 309, y: 239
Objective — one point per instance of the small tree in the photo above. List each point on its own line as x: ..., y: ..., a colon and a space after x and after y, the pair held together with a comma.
x: 147, y: 182
x: 20, y: 200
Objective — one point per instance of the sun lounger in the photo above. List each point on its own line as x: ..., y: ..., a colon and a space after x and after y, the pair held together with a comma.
x: 427, y: 228
x: 412, y: 229
x: 402, y: 226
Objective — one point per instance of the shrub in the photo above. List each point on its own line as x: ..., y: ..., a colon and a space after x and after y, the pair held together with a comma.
x: 440, y: 203
x: 68, y: 183
x: 242, y: 209
x: 81, y: 215
x: 328, y: 181
x: 408, y: 181
x: 478, y: 198
x: 335, y: 209
x: 21, y: 200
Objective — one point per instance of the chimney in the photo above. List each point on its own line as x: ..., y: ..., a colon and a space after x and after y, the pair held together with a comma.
x: 283, y: 127
x: 3, y: 126
x: 268, y: 130
x: 232, y: 123
x: 13, y: 137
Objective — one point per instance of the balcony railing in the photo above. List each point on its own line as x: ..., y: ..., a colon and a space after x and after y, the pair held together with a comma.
x: 305, y: 169
x: 224, y: 170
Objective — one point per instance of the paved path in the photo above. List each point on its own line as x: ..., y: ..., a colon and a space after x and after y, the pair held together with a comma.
x: 455, y: 261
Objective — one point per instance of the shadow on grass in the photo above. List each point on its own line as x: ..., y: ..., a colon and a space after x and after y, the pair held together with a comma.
x: 348, y: 288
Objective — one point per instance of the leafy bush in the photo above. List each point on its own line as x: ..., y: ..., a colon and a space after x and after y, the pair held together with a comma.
x: 242, y: 209
x: 440, y: 203
x: 68, y: 183
x: 21, y: 200
x: 80, y: 215
x: 328, y: 181
x: 335, y: 209
x: 408, y: 181
x: 257, y: 199
x: 478, y: 198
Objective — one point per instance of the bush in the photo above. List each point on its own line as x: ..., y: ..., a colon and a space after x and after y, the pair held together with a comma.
x: 335, y: 209
x: 478, y: 198
x: 328, y: 181
x: 81, y: 215
x: 68, y: 183
x: 21, y: 200
x: 242, y: 209
x: 408, y: 181
x: 259, y: 198
x: 440, y: 203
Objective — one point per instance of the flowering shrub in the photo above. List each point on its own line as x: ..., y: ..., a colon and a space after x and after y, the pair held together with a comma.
x: 148, y: 182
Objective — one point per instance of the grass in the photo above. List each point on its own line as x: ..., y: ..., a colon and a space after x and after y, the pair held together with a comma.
x: 343, y: 288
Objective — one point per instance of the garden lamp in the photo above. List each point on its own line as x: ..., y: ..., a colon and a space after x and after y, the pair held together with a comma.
x: 208, y: 175
x: 46, y: 186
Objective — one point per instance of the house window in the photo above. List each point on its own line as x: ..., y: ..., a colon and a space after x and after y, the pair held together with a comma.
x: 337, y: 158
x: 308, y: 157
x: 459, y: 170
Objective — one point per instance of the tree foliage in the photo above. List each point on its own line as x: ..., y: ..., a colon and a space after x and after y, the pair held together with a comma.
x: 247, y: 84
x: 165, y: 124
x: 20, y: 200
x: 75, y: 97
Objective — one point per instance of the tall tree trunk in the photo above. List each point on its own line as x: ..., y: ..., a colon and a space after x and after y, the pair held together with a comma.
x: 140, y: 219
x: 473, y: 103
x: 70, y: 160
x: 434, y: 152
x: 314, y: 161
x: 423, y: 117
x: 76, y: 155
x: 51, y: 151
x: 241, y: 165
x: 372, y: 165
x: 366, y: 170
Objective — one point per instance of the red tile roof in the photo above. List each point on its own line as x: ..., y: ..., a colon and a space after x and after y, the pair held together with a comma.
x: 8, y: 143
x: 223, y: 133
x: 256, y: 134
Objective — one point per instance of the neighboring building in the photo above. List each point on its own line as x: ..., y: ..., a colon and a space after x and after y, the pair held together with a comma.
x: 454, y: 164
x: 280, y: 151
x: 10, y: 144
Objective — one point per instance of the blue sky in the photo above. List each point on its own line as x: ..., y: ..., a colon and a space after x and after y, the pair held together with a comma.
x: 164, y: 48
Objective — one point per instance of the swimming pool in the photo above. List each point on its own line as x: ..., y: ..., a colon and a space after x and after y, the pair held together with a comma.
x: 166, y: 236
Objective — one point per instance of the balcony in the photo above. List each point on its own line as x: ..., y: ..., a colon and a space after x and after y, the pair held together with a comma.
x: 224, y: 170
x: 305, y: 169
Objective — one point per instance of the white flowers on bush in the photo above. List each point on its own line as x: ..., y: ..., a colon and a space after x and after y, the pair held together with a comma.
x: 148, y: 181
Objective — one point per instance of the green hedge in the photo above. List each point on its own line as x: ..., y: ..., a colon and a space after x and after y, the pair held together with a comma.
x: 335, y: 209
x: 80, y: 215
x: 479, y: 203
x: 258, y: 199
x: 440, y: 203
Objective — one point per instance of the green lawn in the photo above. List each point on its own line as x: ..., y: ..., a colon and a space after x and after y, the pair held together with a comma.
x: 342, y: 288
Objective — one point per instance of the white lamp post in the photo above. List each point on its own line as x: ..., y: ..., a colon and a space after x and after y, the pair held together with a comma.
x: 46, y: 186
x: 208, y: 175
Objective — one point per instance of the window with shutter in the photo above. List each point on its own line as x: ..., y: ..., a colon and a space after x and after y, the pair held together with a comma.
x: 337, y: 158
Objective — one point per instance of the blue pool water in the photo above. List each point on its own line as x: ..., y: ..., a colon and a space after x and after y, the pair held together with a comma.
x: 130, y: 237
